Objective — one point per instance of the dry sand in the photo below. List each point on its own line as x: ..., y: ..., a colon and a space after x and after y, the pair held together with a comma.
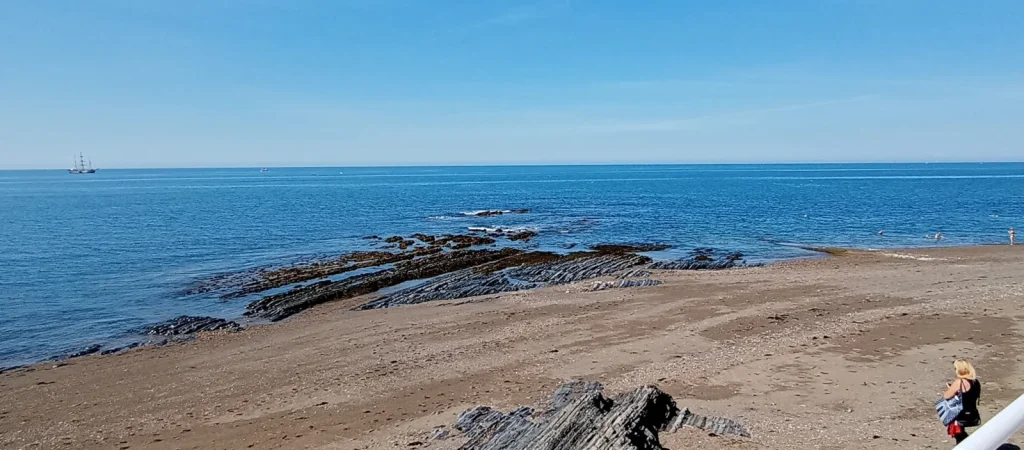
x: 845, y: 352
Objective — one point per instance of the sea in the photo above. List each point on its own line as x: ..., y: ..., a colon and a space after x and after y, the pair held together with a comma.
x: 88, y: 259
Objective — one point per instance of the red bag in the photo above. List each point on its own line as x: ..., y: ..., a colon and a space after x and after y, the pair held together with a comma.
x: 954, y: 429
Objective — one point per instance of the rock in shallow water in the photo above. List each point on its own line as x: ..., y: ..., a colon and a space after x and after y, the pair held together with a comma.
x: 703, y: 259
x: 580, y: 417
x: 187, y: 325
x: 95, y: 348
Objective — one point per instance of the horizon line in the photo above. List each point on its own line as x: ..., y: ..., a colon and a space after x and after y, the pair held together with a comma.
x: 539, y: 164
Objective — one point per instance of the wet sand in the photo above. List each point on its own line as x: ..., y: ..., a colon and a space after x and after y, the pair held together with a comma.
x: 845, y: 352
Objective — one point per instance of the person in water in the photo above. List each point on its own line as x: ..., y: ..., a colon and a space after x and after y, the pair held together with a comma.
x: 968, y: 386
x: 1013, y: 236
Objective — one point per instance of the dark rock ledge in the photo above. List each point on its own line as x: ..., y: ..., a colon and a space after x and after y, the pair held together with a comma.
x: 190, y: 325
x: 580, y: 416
x: 181, y: 328
x: 456, y: 274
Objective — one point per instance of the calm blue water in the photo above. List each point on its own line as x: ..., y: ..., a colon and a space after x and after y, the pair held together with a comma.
x: 84, y: 258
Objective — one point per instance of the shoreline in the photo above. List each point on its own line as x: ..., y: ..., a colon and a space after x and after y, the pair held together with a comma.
x: 786, y: 349
x: 142, y: 338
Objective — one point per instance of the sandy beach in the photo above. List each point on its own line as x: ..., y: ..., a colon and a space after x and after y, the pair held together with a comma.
x: 844, y: 352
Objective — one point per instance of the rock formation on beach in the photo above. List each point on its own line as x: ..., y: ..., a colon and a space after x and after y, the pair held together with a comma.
x: 445, y: 267
x: 189, y: 325
x: 242, y: 283
x: 579, y: 416
x: 520, y: 271
x: 602, y: 285
x: 280, y: 306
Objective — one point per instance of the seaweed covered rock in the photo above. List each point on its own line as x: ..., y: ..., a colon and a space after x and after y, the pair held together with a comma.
x: 280, y: 306
x: 242, y: 283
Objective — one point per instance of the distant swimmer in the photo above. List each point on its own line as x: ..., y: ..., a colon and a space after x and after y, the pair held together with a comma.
x: 936, y: 236
x: 1013, y: 236
x: 881, y: 232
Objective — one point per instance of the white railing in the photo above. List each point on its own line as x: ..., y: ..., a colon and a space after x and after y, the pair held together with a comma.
x: 998, y: 429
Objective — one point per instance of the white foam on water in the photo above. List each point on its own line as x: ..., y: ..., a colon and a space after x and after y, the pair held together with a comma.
x: 916, y: 258
x: 501, y: 229
x: 485, y: 211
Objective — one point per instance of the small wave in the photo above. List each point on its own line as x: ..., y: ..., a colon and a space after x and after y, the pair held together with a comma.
x: 500, y: 229
x: 493, y: 212
x: 917, y: 258
x: 484, y: 212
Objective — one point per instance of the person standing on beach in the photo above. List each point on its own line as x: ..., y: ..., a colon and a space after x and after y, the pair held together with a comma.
x: 1013, y: 236
x: 967, y: 385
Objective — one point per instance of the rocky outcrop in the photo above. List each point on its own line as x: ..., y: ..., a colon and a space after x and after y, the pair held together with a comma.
x: 247, y: 282
x: 580, y: 417
x: 451, y: 267
x: 189, y: 325
x: 90, y: 350
x: 578, y: 267
x: 634, y: 273
x: 280, y: 306
x: 603, y: 285
x: 240, y: 284
x: 703, y: 259
x: 520, y: 271
x: 109, y: 351
x: 522, y: 235
x: 512, y: 234
x: 459, y: 241
x: 425, y: 238
x: 461, y: 284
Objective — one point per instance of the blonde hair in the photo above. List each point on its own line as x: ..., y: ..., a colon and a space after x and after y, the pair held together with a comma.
x: 964, y: 370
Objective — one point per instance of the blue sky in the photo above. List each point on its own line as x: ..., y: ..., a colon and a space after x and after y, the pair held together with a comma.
x: 156, y: 83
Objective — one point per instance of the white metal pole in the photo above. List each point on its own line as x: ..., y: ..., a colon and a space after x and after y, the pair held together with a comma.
x: 998, y: 429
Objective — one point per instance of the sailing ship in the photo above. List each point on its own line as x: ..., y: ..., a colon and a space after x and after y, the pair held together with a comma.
x: 80, y: 166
